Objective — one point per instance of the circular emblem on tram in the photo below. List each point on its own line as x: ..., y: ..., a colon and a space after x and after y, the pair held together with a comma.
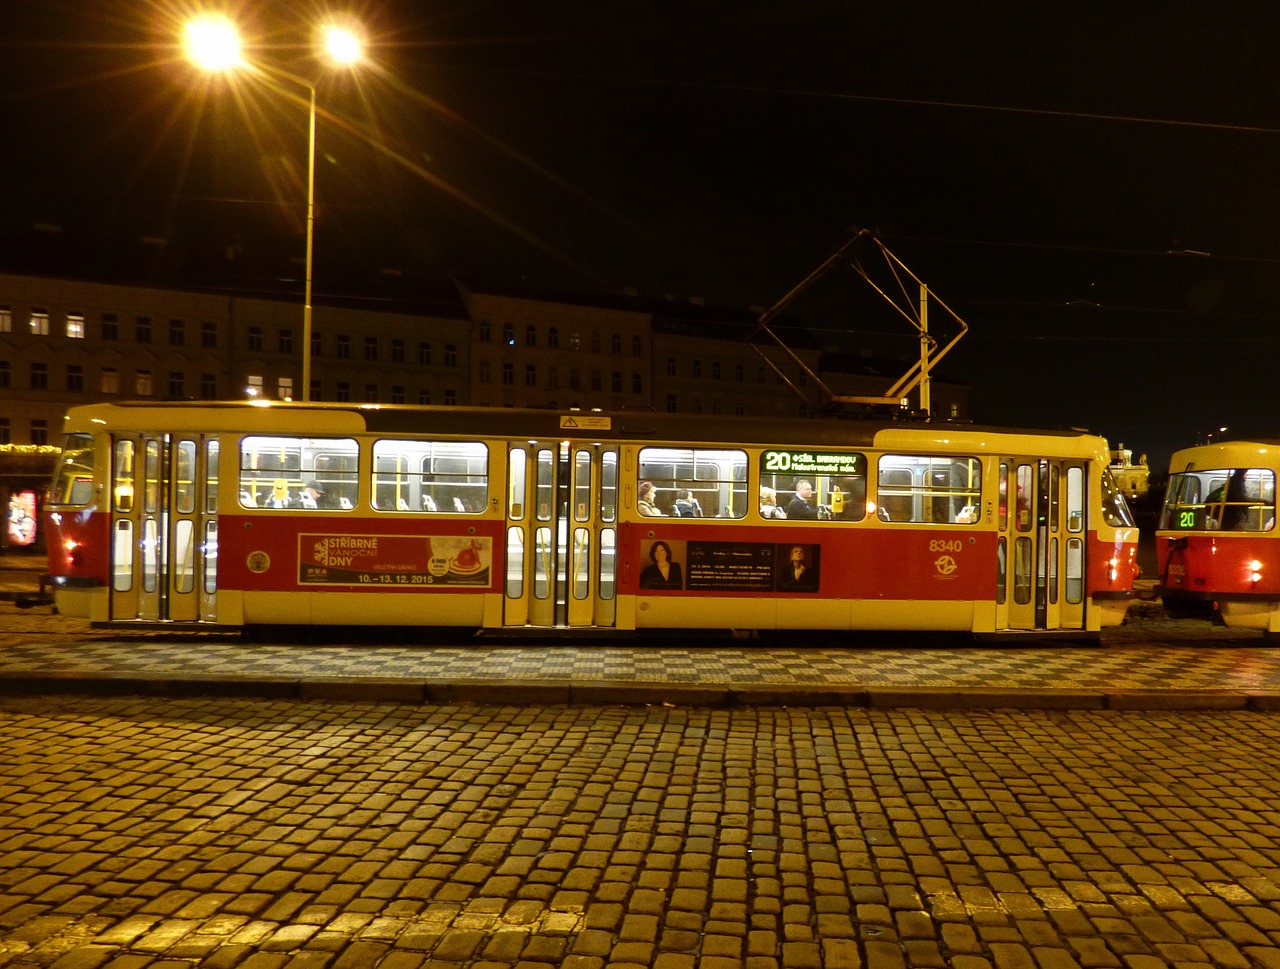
x: 258, y: 562
x: 945, y: 564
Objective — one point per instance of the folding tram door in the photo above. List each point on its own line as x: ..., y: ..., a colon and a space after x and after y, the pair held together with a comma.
x: 164, y: 528
x: 561, y: 542
x: 1043, y: 529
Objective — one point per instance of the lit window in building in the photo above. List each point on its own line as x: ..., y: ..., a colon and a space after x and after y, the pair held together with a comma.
x: 39, y: 322
x: 284, y: 388
x: 142, y: 383
x: 575, y: 341
x: 254, y: 385
x: 75, y: 326
x: 110, y: 380
x: 6, y: 320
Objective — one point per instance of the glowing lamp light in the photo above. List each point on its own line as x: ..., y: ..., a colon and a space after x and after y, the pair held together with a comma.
x: 1255, y: 571
x: 343, y: 46
x: 212, y: 43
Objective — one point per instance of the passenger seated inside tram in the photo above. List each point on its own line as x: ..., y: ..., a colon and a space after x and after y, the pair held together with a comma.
x: 769, y: 504
x: 646, y: 500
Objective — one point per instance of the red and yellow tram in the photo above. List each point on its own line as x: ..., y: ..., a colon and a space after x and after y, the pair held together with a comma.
x: 203, y: 515
x: 1216, y: 538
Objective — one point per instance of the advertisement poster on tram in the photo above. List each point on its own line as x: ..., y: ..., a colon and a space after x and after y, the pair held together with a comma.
x: 730, y: 566
x: 394, y: 560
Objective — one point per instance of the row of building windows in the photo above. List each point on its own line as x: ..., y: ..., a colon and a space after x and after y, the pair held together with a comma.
x: 38, y: 431
x: 484, y: 375
x: 716, y: 371
x: 484, y: 334
x: 39, y: 324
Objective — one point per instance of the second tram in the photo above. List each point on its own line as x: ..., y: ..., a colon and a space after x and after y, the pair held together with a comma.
x: 1217, y: 539
x: 207, y: 515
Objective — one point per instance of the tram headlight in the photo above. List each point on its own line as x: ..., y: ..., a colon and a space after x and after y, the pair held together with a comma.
x: 1255, y: 571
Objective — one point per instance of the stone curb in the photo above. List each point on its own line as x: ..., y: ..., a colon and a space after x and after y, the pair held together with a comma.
x: 545, y: 692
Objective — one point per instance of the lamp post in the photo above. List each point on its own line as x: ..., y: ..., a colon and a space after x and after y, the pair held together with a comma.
x: 213, y: 44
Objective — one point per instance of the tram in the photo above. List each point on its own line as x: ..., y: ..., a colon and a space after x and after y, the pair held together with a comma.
x: 1216, y: 537
x: 239, y: 514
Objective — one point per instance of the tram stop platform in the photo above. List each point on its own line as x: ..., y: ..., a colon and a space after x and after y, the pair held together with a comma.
x: 1150, y: 662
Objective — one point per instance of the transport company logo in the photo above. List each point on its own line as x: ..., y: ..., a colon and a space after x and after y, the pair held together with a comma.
x: 945, y: 565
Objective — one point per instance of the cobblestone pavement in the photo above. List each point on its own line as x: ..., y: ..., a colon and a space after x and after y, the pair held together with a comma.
x: 145, y: 832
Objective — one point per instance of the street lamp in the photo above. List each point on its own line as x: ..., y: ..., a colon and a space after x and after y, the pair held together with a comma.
x: 212, y: 43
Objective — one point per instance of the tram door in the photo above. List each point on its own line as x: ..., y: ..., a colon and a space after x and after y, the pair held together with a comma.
x: 561, y: 544
x: 164, y: 544
x: 1040, y: 582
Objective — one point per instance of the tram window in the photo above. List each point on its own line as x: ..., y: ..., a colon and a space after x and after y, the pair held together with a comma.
x: 275, y: 472
x: 184, y: 478
x: 821, y: 485
x: 1025, y: 484
x: 1075, y: 499
x: 122, y: 486
x: 426, y: 477
x: 1114, y: 507
x: 73, y: 479
x: 937, y: 489
x: 717, y: 479
x: 1233, y: 499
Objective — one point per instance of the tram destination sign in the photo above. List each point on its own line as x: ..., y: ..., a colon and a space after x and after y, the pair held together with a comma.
x: 815, y: 462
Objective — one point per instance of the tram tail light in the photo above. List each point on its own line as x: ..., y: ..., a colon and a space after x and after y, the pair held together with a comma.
x: 1113, y: 569
x: 72, y: 548
x: 1255, y: 571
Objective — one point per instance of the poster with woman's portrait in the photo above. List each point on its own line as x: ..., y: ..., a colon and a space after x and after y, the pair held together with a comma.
x: 661, y: 568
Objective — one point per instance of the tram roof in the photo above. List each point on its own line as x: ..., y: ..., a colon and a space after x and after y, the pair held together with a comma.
x: 321, y: 418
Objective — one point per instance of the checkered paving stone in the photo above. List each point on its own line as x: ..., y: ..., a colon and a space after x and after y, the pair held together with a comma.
x: 1149, y: 654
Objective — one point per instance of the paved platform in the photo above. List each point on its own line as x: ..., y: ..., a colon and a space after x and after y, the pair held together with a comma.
x: 1151, y: 662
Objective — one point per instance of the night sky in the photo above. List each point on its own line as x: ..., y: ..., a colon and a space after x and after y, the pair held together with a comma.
x: 1092, y: 187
